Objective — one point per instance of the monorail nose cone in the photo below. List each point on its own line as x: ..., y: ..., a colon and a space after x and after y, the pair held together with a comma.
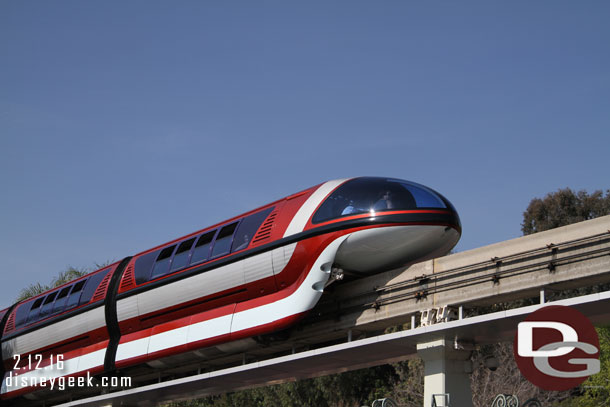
x: 375, y: 250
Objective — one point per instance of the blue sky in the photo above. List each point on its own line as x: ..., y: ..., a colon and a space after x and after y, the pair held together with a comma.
x: 125, y: 124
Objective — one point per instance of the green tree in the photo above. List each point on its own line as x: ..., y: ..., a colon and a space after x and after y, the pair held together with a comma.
x: 559, y: 209
x: 347, y: 389
x: 556, y: 209
x: 563, y: 208
x: 595, y: 391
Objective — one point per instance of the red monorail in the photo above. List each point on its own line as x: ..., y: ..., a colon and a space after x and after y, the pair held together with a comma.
x: 213, y: 290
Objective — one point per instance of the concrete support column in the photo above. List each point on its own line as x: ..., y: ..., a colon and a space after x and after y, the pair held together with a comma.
x: 446, y: 371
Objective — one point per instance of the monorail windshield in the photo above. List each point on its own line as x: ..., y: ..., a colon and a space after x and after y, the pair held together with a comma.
x: 372, y: 195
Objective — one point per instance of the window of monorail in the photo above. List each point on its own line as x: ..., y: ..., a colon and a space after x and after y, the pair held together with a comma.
x: 143, y: 265
x: 372, y: 195
x: 22, y: 313
x: 222, y: 244
x: 181, y: 258
x: 92, y: 283
x: 61, y: 299
x: 47, y: 305
x: 247, y: 228
x: 35, y: 310
x: 202, y: 248
x: 161, y: 266
x: 75, y: 294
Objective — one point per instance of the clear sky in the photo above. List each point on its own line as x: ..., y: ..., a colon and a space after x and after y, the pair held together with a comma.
x: 124, y: 124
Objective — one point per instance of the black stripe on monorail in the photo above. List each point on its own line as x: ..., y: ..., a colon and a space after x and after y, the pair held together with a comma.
x: 110, y: 313
x: 449, y: 219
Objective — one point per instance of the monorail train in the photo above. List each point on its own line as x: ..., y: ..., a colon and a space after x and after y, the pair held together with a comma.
x: 251, y: 275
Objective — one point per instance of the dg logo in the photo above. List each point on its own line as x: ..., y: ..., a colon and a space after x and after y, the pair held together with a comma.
x: 556, y: 348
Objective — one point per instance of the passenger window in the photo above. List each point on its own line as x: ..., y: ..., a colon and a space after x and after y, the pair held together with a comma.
x: 143, y: 266
x: 47, y: 305
x: 35, y: 310
x: 61, y: 299
x: 222, y: 245
x: 162, y: 264
x: 247, y: 228
x: 22, y: 313
x: 74, y: 296
x: 202, y: 248
x: 181, y: 258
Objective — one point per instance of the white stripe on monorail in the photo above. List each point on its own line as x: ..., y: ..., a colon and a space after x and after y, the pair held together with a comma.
x: 303, y: 299
x: 489, y: 328
x: 298, y: 222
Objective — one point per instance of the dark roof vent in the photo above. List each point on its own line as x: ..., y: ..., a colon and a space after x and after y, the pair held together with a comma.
x: 128, y: 281
x: 10, y: 324
x: 264, y: 232
x: 100, y: 292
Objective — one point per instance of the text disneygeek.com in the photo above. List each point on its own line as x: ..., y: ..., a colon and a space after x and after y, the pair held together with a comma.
x: 63, y: 382
x: 54, y: 375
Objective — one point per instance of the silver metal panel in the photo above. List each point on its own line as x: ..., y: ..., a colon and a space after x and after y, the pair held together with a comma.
x: 127, y: 308
x: 371, y: 250
x: 210, y: 282
x: 60, y: 331
x: 288, y: 251
x: 281, y: 257
x: 258, y: 267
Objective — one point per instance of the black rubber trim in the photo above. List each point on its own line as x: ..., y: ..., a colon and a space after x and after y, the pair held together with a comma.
x: 110, y: 312
x: 449, y: 219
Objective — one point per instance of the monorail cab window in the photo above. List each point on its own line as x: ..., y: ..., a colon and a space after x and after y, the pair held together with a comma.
x: 372, y: 195
x: 223, y: 242
x: 202, y: 248
x: 161, y: 266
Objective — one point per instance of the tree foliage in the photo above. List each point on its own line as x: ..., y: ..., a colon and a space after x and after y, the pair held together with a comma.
x: 69, y: 274
x: 506, y: 379
x: 564, y: 207
x: 347, y: 389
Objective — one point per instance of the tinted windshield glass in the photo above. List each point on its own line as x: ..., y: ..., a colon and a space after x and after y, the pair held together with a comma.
x: 365, y: 195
